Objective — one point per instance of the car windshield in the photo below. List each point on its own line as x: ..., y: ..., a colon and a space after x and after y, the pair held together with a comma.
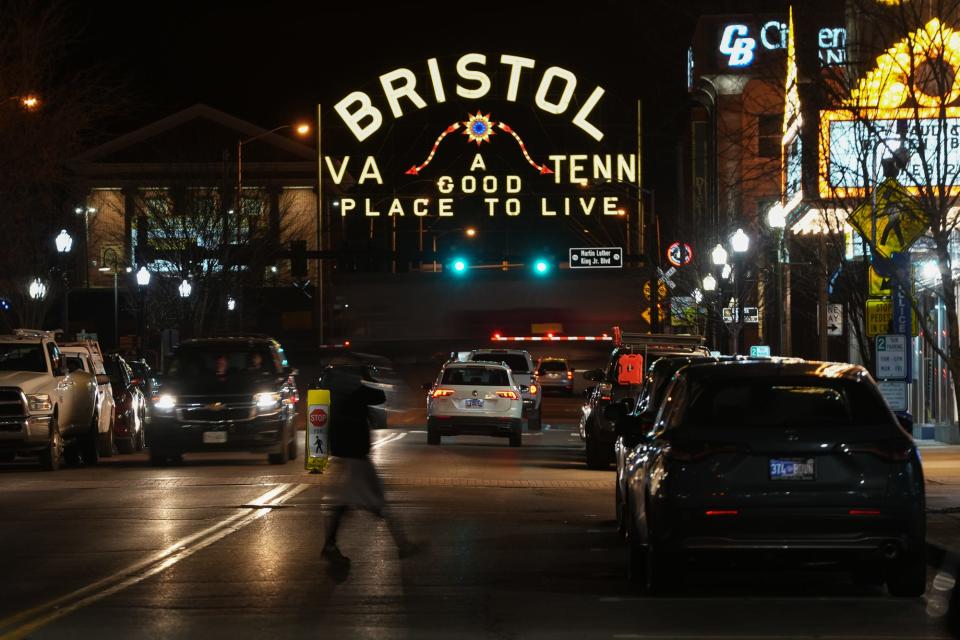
x: 22, y: 357
x: 516, y: 361
x: 552, y: 365
x: 476, y: 376
x: 222, y: 361
x: 777, y: 402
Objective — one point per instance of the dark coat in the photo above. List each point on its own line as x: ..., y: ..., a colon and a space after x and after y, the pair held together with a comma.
x: 349, y: 430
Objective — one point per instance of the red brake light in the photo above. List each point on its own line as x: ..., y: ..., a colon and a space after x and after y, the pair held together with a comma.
x: 510, y: 395
x: 442, y: 393
x: 891, y: 451
x: 722, y: 512
x: 864, y: 512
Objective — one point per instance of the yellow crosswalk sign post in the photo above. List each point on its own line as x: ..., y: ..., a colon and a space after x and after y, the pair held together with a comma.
x: 900, y: 219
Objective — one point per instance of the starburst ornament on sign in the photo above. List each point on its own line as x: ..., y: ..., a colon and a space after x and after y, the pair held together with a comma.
x: 478, y: 128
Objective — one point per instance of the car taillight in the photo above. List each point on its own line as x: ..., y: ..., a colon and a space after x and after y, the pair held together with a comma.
x: 509, y: 395
x: 889, y: 450
x: 533, y: 389
x: 693, y: 451
x: 722, y: 512
x: 569, y: 375
x: 442, y: 393
x: 864, y: 512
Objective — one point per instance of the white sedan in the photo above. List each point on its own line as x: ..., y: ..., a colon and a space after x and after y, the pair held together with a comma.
x: 474, y: 398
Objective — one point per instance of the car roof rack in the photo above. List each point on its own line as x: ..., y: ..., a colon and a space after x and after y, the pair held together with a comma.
x: 34, y: 333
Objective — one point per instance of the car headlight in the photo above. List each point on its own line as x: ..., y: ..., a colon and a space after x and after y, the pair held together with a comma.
x: 39, y: 402
x: 267, y: 400
x: 165, y: 402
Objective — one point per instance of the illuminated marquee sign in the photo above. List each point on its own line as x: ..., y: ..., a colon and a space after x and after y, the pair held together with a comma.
x: 739, y: 43
x: 481, y: 160
x: 886, y: 112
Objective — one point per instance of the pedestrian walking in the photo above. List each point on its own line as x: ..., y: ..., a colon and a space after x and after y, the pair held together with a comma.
x: 354, y: 479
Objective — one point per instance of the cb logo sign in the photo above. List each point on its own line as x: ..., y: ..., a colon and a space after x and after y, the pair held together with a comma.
x: 736, y: 44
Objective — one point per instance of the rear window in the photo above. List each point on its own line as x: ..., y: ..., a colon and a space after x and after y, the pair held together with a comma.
x: 553, y: 365
x: 517, y: 362
x: 789, y: 403
x: 477, y: 376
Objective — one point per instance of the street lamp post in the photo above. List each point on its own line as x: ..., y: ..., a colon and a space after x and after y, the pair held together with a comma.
x: 777, y: 220
x: 143, y: 280
x: 739, y: 242
x: 64, y: 243
x: 115, y: 271
x: 86, y: 212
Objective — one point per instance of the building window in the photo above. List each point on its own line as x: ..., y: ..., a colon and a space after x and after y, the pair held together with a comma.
x: 769, y: 135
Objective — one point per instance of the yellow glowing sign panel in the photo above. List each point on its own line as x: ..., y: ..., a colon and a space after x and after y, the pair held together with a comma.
x: 879, y: 315
x: 899, y: 219
x: 879, y: 286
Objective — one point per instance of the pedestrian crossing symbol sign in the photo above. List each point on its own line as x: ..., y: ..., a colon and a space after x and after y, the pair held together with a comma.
x: 899, y: 219
x: 318, y: 419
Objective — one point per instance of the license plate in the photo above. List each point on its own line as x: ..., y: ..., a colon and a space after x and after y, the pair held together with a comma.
x: 473, y: 403
x: 792, y: 469
x: 214, y: 437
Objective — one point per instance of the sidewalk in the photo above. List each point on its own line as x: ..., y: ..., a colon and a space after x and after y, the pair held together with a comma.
x: 941, y: 468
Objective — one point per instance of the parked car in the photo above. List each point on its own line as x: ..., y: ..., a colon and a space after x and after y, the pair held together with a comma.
x: 470, y: 398
x: 143, y: 376
x: 45, y: 410
x: 789, y: 457
x: 621, y: 379
x: 224, y: 394
x: 86, y: 356
x: 521, y: 371
x: 554, y: 374
x: 130, y: 406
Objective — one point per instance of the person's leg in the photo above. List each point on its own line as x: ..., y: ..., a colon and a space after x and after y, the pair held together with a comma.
x: 330, y: 549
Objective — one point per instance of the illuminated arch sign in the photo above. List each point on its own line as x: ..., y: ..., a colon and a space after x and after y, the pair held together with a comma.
x: 491, y: 135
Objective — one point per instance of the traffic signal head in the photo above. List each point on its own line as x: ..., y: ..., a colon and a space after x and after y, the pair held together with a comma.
x: 541, y: 267
x: 459, y: 265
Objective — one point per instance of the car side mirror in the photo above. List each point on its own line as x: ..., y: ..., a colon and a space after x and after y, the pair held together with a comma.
x: 593, y: 375
x: 102, y: 379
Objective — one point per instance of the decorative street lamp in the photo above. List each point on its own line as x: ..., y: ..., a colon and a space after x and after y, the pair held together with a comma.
x: 143, y: 277
x: 143, y: 280
x: 740, y: 241
x: 709, y: 282
x: 37, y: 289
x: 231, y: 304
x: 64, y: 242
x: 185, y: 289
x: 719, y: 255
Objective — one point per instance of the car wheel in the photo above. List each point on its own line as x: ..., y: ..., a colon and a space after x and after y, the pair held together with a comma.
x: 433, y: 437
x: 280, y: 457
x: 621, y: 516
x: 52, y: 456
x: 125, y: 445
x: 90, y: 445
x: 596, y: 459
x: 534, y: 423
x: 105, y: 442
x: 515, y: 439
x: 292, y: 446
x: 907, y: 576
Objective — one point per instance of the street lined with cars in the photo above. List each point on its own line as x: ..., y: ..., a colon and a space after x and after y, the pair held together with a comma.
x: 724, y: 466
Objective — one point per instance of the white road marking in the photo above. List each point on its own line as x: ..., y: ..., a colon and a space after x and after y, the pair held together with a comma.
x: 26, y: 622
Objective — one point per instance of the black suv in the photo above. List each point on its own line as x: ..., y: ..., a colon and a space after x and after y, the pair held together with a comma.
x: 224, y: 394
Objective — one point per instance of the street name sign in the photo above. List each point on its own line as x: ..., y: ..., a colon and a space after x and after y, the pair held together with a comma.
x: 596, y: 258
x: 892, y: 363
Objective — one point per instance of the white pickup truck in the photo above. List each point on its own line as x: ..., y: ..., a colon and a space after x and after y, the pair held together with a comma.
x: 85, y: 355
x: 45, y: 410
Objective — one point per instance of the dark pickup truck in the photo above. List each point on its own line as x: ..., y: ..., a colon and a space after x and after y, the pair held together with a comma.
x: 595, y: 429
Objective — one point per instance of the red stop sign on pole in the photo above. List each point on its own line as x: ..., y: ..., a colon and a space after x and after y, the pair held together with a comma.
x: 318, y: 417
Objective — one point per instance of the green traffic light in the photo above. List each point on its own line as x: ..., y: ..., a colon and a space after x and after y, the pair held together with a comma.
x: 541, y: 267
x: 459, y: 265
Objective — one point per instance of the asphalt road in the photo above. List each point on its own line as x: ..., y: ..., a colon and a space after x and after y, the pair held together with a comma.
x: 517, y: 543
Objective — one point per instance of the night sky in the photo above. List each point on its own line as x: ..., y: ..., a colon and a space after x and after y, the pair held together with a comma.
x: 272, y: 62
